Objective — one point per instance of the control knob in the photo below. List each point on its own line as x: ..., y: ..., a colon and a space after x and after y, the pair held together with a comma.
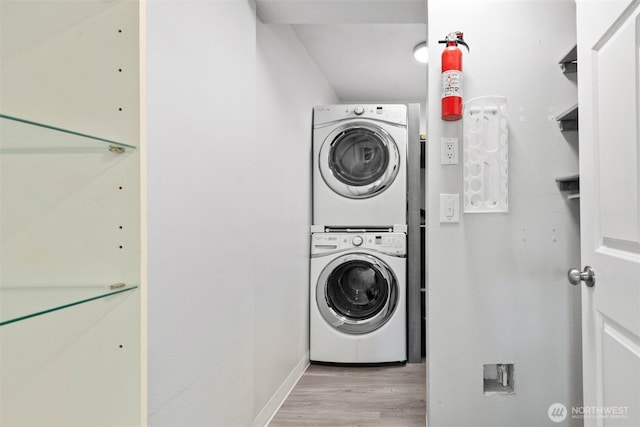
x: 359, y: 110
x: 357, y: 241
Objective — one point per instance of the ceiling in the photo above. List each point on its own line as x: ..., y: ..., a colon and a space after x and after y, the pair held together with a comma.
x: 364, y: 48
x: 368, y: 62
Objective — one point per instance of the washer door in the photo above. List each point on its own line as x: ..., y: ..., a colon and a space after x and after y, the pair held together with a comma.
x: 359, y: 160
x: 357, y: 293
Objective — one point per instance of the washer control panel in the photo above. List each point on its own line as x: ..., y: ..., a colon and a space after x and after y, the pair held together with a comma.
x: 388, y: 243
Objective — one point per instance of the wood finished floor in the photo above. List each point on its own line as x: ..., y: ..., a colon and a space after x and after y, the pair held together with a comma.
x: 390, y: 395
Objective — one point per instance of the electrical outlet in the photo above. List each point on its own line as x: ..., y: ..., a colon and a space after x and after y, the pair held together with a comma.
x: 449, y: 151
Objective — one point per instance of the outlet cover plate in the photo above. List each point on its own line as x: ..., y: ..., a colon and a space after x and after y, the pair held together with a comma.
x: 449, y: 208
x: 449, y: 151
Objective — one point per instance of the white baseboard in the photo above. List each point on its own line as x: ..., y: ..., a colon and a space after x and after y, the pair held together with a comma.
x: 271, y: 408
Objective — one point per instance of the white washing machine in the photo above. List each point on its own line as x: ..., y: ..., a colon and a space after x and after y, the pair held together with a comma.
x: 359, y: 165
x: 357, y: 298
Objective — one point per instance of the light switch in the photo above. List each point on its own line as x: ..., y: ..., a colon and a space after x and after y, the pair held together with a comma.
x: 449, y: 208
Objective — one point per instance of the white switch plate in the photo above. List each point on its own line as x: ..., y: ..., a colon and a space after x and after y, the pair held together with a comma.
x: 449, y: 208
x: 448, y: 151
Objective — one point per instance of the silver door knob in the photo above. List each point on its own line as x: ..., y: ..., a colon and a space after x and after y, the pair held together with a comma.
x: 588, y: 276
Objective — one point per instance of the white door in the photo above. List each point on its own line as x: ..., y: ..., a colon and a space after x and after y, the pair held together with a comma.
x: 609, y: 99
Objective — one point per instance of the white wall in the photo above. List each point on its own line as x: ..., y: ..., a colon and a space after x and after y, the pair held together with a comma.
x: 229, y: 211
x: 201, y: 154
x: 497, y: 282
x: 288, y: 85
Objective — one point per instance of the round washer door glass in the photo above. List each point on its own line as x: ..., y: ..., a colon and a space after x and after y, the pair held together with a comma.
x: 357, y: 293
x: 359, y: 160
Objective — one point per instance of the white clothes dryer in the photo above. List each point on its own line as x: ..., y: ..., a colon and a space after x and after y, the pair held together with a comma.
x: 359, y: 165
x: 357, y: 298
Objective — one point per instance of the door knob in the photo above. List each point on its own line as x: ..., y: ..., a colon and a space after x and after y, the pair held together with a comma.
x: 588, y: 276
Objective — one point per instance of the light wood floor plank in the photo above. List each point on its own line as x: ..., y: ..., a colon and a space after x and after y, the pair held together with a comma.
x: 341, y: 396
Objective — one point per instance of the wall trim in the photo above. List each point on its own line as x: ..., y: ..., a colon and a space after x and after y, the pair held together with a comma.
x: 273, y: 405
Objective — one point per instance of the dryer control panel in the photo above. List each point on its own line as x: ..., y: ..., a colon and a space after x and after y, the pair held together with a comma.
x: 388, y: 243
x: 391, y: 113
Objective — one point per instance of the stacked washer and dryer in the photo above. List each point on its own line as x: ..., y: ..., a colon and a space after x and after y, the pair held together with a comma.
x: 358, y: 238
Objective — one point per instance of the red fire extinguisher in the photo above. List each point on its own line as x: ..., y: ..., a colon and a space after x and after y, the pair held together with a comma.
x: 452, y: 76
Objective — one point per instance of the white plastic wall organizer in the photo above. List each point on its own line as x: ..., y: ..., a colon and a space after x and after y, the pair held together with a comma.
x: 486, y: 154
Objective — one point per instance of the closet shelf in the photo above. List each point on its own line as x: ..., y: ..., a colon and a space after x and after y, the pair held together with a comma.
x: 569, y: 183
x: 568, y: 119
x: 20, y: 303
x: 569, y: 63
x: 25, y: 136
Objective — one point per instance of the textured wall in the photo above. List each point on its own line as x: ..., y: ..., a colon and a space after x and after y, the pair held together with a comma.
x: 497, y: 282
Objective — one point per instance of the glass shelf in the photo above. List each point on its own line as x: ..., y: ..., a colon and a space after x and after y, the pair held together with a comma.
x: 24, y: 136
x: 20, y: 303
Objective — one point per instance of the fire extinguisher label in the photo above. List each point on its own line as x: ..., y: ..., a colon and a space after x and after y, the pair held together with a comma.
x: 452, y: 83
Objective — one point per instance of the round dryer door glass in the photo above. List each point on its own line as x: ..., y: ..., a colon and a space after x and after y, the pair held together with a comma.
x: 359, y: 157
x: 357, y: 293
x: 359, y: 160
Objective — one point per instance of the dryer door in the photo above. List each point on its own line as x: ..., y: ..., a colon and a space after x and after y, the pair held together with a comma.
x: 359, y: 160
x: 357, y: 293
